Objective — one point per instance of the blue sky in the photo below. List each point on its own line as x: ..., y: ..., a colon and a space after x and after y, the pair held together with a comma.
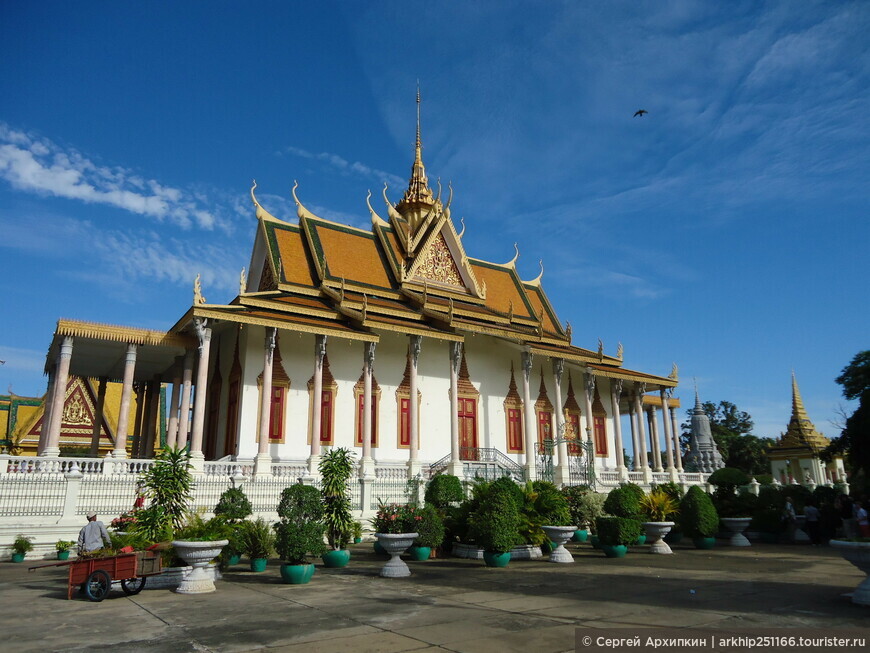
x: 727, y: 230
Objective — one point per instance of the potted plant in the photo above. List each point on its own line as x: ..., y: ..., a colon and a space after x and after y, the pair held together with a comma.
x: 20, y: 547
x: 63, y: 547
x: 258, y: 542
x: 356, y: 532
x: 659, y: 509
x: 336, y: 467
x: 443, y: 491
x: 574, y: 495
x: 615, y: 534
x: 168, y: 484
x: 495, y: 527
x: 395, y: 527
x: 553, y: 509
x: 430, y: 534
x: 234, y: 506
x: 699, y: 518
x: 198, y: 542
x: 300, y: 532
x: 625, y: 501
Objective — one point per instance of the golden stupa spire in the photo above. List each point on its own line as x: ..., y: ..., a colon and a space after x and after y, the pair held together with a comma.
x: 801, y: 431
x: 418, y: 198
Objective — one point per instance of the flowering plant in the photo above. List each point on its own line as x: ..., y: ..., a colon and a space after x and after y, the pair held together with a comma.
x: 394, y: 518
x: 123, y: 522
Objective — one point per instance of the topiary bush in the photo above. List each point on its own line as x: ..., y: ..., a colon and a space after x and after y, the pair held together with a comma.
x: 430, y: 529
x: 625, y: 501
x: 444, y: 490
x: 506, y: 485
x: 698, y: 516
x: 294, y: 542
x: 614, y: 531
x: 728, y: 477
x: 233, y: 505
x: 300, y: 503
x: 494, y: 524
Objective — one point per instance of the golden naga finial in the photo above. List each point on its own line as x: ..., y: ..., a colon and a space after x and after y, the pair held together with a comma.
x: 197, y: 291
x: 483, y: 289
x: 568, y: 331
x: 461, y: 233
x: 674, y: 375
x: 619, y: 351
x: 513, y: 261
x: 600, y: 349
x: 243, y: 282
x: 537, y: 280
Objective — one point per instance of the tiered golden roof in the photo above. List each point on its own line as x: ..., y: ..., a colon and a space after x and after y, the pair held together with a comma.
x: 801, y: 437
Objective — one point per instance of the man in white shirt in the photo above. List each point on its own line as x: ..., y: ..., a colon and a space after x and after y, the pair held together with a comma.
x: 92, y: 536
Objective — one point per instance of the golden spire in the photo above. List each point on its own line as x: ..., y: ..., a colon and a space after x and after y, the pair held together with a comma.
x: 801, y: 431
x: 418, y: 198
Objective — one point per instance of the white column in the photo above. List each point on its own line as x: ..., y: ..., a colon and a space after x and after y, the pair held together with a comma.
x: 678, y: 457
x: 529, y: 417
x: 172, y: 427
x: 654, y: 437
x: 263, y: 461
x: 635, y: 445
x: 98, y: 417
x: 666, y: 423
x: 52, y: 444
x: 317, y: 404
x: 203, y: 333
x: 563, y: 475
x: 47, y: 415
x: 413, y: 408
x: 455, y: 466
x: 641, y: 433
x: 120, y: 450
x: 588, y: 395
x: 184, y: 411
x: 615, y: 395
x: 367, y: 464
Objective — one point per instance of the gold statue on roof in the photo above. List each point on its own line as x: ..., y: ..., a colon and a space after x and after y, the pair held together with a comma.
x: 197, y: 291
x: 619, y: 351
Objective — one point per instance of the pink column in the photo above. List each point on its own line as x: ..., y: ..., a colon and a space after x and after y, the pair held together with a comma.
x: 641, y: 428
x: 654, y: 438
x: 184, y: 411
x: 47, y: 403
x: 559, y: 414
x: 455, y: 361
x: 413, y: 407
x: 266, y: 391
x: 666, y: 422
x: 317, y: 403
x: 124, y: 410
x: 52, y: 444
x: 615, y: 395
x: 529, y: 414
x: 368, y: 364
x: 203, y: 333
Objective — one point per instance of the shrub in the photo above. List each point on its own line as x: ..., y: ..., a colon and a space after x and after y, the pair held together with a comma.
x: 199, y: 530
x: 574, y: 495
x: 614, y: 531
x: 767, y: 515
x: 509, y: 488
x: 698, y: 516
x: 591, y: 508
x: 728, y: 477
x: 659, y: 506
x: 152, y: 524
x: 300, y: 503
x: 335, y: 467
x: 295, y: 541
x: 764, y: 479
x: 233, y: 505
x: 494, y: 524
x: 430, y: 529
x: 673, y: 490
x: 169, y: 484
x: 22, y: 544
x: 624, y: 501
x: 256, y: 538
x: 444, y: 490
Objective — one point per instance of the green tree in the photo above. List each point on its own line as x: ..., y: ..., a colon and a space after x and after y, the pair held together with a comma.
x: 732, y: 431
x: 854, y: 440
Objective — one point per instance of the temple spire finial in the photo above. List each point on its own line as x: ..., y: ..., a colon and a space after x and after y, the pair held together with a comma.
x: 419, y: 143
x: 418, y: 198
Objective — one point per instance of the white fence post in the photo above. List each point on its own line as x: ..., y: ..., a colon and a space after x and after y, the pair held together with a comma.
x: 73, y: 485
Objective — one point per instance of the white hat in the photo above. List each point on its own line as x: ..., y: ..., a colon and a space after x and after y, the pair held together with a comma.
x: 91, y: 514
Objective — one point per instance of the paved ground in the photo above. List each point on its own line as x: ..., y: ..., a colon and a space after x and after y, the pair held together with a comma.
x: 446, y: 605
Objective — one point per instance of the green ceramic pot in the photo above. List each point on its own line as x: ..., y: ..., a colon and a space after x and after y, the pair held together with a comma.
x: 296, y: 574
x: 580, y: 535
x: 259, y: 564
x: 640, y: 540
x: 357, y: 540
x: 614, y: 550
x: 234, y: 558
x: 704, y: 542
x: 496, y: 559
x: 379, y: 549
x: 336, y: 558
x: 63, y: 555
x: 419, y: 552
x: 593, y: 540
x: 18, y: 557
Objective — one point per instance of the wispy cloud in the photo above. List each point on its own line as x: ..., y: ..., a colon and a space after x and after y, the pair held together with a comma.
x: 38, y: 165
x: 343, y: 165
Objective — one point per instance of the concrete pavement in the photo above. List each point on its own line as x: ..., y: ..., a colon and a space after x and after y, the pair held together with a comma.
x: 446, y: 605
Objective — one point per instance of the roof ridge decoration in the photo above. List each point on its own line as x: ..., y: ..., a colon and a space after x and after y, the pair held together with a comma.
x: 260, y: 212
x: 301, y: 211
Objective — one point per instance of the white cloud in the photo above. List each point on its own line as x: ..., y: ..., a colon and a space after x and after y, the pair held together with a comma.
x: 38, y: 165
x: 21, y: 360
x: 343, y: 165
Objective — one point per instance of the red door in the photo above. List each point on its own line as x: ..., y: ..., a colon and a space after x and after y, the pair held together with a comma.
x: 326, y: 417
x: 600, y: 434
x: 515, y: 430
x: 545, y: 428
x: 574, y: 422
x: 467, y: 428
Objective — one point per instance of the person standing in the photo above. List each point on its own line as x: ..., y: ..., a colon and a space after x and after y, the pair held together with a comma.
x: 813, y: 522
x: 789, y: 518
x: 92, y: 535
x: 862, y: 519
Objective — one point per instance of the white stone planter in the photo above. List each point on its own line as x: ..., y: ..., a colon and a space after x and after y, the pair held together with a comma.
x: 470, y: 551
x: 522, y: 552
x: 198, y: 555
x: 858, y: 553
x: 559, y: 535
x: 736, y: 526
x: 655, y: 536
x: 172, y: 577
x: 395, y: 544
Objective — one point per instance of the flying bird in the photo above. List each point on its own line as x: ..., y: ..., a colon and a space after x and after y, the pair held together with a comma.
x: 640, y: 113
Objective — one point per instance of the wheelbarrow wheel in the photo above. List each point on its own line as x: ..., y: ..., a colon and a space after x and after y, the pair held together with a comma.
x: 133, y: 586
x: 97, y: 585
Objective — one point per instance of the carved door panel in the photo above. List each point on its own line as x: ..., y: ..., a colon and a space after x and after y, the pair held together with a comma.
x: 467, y: 428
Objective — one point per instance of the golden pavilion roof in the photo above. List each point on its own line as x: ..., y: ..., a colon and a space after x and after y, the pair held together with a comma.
x: 801, y: 436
